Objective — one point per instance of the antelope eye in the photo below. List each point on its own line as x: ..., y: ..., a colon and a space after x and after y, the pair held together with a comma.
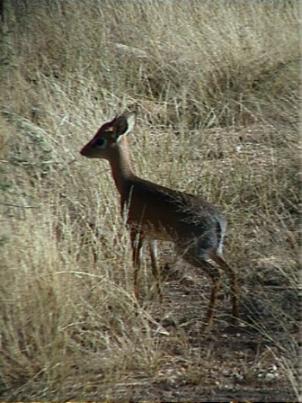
x: 101, y: 142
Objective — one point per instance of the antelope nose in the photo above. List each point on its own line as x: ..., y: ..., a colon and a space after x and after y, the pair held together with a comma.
x: 83, y: 151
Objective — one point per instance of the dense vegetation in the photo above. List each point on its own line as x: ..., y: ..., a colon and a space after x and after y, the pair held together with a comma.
x: 216, y: 85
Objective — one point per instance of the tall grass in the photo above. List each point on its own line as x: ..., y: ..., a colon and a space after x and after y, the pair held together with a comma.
x: 217, y: 89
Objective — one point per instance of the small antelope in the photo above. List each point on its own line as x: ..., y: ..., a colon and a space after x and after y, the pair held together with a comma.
x: 154, y: 212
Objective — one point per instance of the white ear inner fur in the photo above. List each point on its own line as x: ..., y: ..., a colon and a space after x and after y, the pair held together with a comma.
x: 130, y: 124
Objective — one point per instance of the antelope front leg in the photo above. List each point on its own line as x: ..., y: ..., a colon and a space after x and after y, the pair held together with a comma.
x: 155, y: 267
x: 137, y: 241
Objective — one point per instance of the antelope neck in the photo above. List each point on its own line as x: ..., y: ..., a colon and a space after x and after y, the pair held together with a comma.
x: 120, y: 164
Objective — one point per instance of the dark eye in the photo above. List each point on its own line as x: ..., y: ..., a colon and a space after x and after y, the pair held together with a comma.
x: 101, y: 142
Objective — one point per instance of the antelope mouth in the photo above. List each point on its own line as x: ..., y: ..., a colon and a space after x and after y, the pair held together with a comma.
x: 85, y: 152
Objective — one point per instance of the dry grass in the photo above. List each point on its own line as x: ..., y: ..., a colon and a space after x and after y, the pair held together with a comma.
x: 217, y: 90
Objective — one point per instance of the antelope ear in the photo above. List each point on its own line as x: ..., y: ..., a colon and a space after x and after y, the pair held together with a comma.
x: 124, y: 124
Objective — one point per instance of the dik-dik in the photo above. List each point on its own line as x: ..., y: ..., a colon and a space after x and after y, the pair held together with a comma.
x: 155, y: 212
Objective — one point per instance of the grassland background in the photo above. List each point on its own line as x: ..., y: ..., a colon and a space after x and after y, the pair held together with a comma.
x: 217, y: 89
